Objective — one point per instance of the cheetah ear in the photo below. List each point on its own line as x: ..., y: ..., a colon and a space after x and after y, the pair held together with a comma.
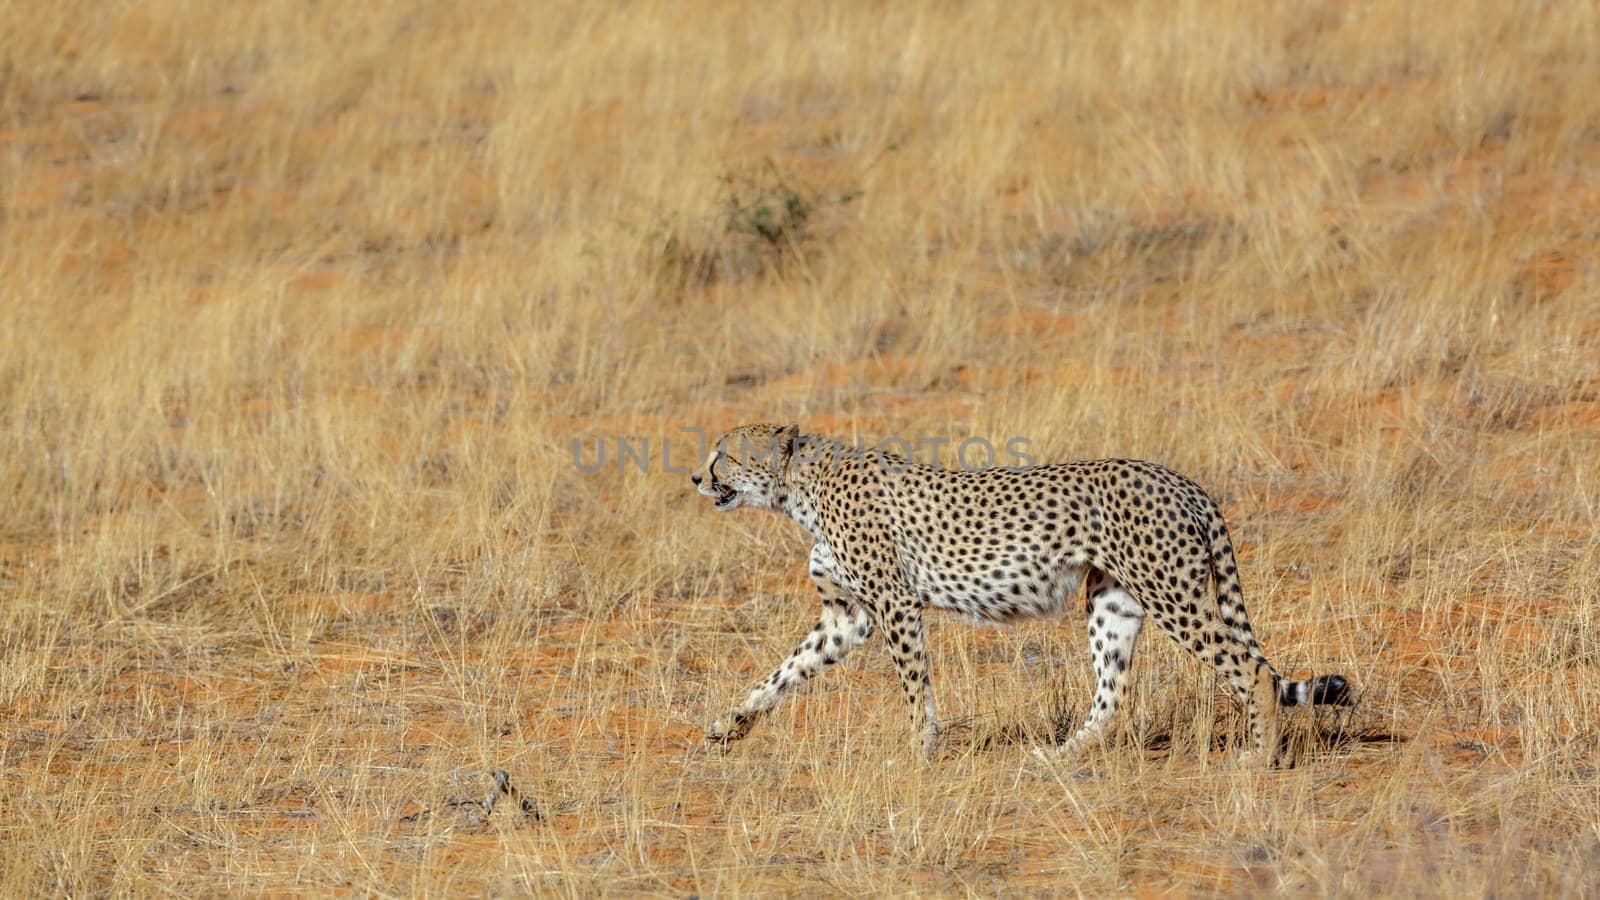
x: 786, y: 438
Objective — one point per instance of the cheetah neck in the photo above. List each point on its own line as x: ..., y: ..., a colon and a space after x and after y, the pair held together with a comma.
x: 813, y: 472
x: 801, y: 484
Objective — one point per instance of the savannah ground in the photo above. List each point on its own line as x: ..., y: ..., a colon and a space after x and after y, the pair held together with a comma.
x: 302, y: 305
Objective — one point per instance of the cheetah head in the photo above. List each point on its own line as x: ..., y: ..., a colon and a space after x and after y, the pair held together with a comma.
x: 744, y: 464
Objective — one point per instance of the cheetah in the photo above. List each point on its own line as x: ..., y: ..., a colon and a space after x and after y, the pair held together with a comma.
x: 894, y: 537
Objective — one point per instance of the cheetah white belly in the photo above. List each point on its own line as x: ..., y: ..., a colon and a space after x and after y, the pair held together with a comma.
x: 1000, y: 595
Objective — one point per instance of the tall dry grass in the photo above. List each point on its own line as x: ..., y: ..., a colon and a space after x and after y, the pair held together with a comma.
x: 301, y: 306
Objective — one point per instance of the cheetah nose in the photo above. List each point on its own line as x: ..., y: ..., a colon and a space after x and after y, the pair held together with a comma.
x: 695, y: 478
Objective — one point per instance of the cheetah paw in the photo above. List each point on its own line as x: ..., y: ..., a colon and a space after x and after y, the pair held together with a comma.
x: 1053, y: 760
x: 1058, y: 752
x: 1260, y: 761
x: 725, y: 731
x: 1050, y: 756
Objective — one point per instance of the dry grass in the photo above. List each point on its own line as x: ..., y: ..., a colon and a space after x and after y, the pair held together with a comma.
x: 301, y: 306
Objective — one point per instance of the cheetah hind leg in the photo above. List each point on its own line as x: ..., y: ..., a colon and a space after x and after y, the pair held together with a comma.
x: 1255, y: 685
x: 1251, y: 679
x: 1261, y: 716
x: 1115, y: 618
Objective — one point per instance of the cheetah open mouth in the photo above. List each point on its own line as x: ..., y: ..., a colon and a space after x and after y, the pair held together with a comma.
x: 726, y: 496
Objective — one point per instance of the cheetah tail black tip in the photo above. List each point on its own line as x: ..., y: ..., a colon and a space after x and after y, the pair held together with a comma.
x: 1324, y: 690
x: 1332, y: 690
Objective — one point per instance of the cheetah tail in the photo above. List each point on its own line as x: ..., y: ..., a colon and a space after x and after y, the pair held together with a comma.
x: 1323, y: 690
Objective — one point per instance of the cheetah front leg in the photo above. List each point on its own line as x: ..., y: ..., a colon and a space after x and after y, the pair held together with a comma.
x: 844, y: 627
x: 902, y: 628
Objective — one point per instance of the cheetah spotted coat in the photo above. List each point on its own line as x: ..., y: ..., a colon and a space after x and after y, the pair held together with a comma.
x: 895, y: 537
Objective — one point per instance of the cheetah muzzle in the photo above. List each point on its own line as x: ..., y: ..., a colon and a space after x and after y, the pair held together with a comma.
x: 893, y: 537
